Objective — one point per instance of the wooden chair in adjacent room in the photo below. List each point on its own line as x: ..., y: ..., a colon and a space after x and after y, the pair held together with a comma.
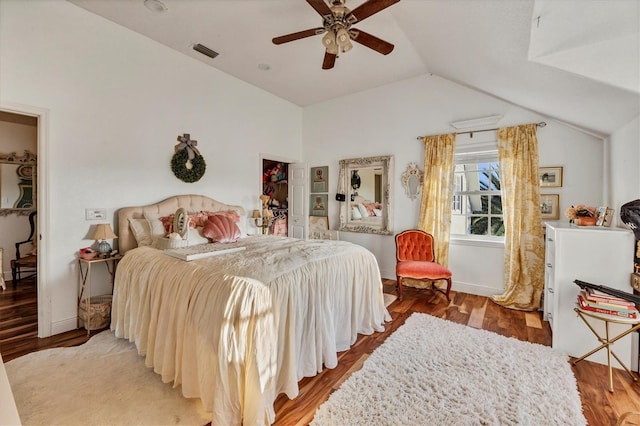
x: 415, y: 259
x: 25, y: 265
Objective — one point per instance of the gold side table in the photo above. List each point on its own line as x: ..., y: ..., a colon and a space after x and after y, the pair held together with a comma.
x: 84, y: 266
x: 608, y: 340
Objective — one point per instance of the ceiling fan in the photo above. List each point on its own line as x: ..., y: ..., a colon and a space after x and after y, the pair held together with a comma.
x: 337, y: 22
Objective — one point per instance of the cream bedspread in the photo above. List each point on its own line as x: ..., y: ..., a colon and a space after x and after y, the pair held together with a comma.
x: 238, y: 329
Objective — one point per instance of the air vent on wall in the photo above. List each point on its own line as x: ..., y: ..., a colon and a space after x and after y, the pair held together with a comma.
x: 205, y: 50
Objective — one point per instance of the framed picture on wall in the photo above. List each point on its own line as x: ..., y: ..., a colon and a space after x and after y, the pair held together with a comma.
x: 551, y: 177
x: 318, y: 204
x: 319, y: 179
x: 549, y: 206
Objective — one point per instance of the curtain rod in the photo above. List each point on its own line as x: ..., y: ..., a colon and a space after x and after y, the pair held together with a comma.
x: 471, y: 132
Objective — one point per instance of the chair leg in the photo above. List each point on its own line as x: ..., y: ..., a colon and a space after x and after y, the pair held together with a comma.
x: 399, y: 286
x: 14, y: 273
x: 448, y: 289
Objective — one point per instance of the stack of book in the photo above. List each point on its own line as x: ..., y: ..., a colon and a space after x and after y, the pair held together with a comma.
x: 594, y: 301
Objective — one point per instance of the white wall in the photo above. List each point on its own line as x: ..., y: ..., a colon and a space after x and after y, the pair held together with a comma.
x: 388, y: 119
x: 14, y: 137
x: 624, y: 166
x: 117, y: 102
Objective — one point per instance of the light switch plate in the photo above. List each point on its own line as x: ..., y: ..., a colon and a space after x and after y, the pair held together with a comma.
x: 95, y: 214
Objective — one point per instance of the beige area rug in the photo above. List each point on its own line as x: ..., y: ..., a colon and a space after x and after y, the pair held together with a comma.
x: 435, y: 372
x: 102, y: 382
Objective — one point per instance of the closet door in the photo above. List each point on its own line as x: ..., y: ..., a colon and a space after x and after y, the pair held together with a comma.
x: 298, y: 217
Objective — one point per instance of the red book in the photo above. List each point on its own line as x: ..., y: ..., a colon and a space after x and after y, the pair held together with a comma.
x: 608, y: 303
x: 623, y: 314
x: 591, y: 294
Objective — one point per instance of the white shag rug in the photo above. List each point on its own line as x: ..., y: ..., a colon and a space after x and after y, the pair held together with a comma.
x: 435, y: 372
x: 102, y: 382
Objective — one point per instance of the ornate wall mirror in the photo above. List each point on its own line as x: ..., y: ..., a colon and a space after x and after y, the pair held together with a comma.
x: 367, y: 207
x: 412, y: 181
x: 17, y: 183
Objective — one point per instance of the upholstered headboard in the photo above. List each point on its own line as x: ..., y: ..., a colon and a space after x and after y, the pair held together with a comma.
x: 191, y: 203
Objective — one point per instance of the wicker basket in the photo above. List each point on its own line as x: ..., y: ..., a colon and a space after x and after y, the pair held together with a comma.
x: 99, y: 315
x: 169, y: 243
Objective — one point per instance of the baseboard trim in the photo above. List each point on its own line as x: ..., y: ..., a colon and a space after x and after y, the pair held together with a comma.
x: 477, y: 289
x: 65, y: 325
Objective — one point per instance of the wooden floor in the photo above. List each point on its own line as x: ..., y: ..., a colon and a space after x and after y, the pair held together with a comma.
x: 18, y: 336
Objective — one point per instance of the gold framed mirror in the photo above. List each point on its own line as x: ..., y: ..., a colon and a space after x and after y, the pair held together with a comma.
x: 18, y: 183
x: 368, y: 206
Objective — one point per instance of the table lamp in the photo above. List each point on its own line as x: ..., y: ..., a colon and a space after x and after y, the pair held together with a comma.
x: 101, y: 233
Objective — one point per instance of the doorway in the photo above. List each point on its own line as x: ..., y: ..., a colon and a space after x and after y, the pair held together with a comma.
x: 294, y: 192
x: 39, y: 118
x: 275, y: 185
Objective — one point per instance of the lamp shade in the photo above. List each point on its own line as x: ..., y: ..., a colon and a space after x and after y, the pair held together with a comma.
x: 103, y: 231
x: 255, y: 214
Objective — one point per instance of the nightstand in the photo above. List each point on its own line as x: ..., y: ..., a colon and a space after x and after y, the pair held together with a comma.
x: 96, y: 312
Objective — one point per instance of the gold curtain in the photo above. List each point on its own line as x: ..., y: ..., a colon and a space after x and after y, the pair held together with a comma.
x: 437, y: 192
x: 524, y: 244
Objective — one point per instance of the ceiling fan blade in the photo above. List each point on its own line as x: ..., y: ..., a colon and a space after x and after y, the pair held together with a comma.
x: 329, y: 60
x: 297, y: 36
x: 367, y: 9
x: 320, y: 6
x: 372, y: 42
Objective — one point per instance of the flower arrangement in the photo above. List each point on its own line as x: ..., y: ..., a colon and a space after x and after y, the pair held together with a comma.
x: 581, y: 215
x: 580, y: 210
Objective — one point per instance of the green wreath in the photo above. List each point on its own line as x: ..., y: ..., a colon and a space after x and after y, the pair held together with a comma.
x: 182, y: 172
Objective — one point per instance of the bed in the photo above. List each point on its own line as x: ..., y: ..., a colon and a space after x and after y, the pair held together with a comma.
x: 237, y: 329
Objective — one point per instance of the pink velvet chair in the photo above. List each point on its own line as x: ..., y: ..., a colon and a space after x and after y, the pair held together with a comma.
x: 415, y: 259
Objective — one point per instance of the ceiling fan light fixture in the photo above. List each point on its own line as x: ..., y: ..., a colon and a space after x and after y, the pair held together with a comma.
x: 329, y: 42
x: 343, y: 40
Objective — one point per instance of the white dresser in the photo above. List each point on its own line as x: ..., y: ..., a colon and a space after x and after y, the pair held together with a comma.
x: 597, y: 255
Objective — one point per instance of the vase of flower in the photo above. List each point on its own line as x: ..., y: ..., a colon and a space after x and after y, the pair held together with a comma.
x: 586, y: 221
x: 581, y: 215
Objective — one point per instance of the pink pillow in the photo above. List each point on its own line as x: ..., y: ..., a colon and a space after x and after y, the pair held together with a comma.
x: 221, y: 228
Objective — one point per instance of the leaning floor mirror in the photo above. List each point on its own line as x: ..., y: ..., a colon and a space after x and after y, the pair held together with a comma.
x: 367, y: 207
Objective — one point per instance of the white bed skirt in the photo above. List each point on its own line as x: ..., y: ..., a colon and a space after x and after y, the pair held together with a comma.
x: 238, y: 329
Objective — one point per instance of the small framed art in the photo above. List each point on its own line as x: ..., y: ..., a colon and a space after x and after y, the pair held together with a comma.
x: 604, y: 216
x: 318, y: 227
x: 318, y: 204
x: 550, y: 177
x: 549, y: 206
x: 319, y: 179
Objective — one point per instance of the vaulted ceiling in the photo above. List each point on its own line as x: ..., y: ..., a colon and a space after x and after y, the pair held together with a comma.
x: 576, y: 61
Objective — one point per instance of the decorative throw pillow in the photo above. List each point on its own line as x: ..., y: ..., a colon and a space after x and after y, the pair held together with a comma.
x: 196, y: 237
x: 363, y: 210
x: 355, y: 213
x: 220, y: 228
x: 141, y: 231
x: 155, y: 224
x: 377, y: 212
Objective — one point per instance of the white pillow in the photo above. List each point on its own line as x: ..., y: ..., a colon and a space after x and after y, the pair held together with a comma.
x: 141, y: 231
x: 196, y: 237
x: 377, y: 212
x: 155, y: 224
x: 363, y: 210
x: 355, y: 213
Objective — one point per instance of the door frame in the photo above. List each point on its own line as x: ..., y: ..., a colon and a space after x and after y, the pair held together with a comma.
x: 263, y: 156
x: 42, y: 197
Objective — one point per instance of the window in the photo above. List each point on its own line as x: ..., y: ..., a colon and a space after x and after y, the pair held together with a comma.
x: 477, y: 202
